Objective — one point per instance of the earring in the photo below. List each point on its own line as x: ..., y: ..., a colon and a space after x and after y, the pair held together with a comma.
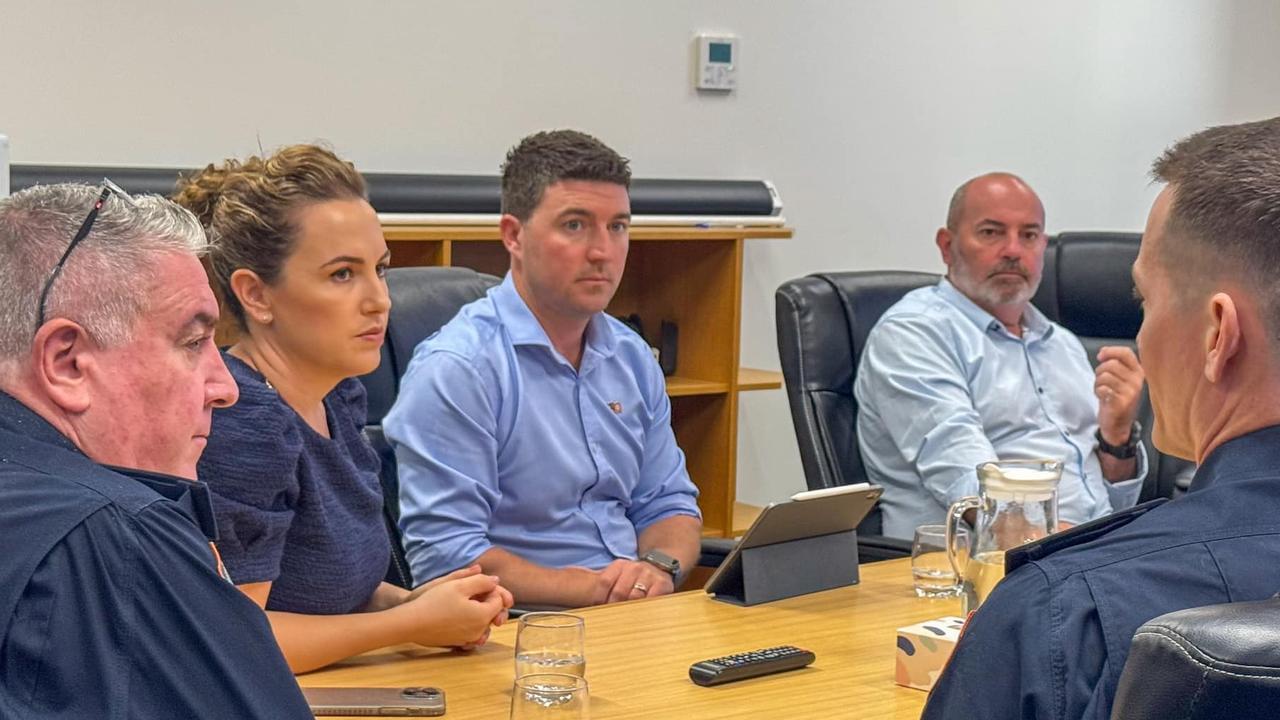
x: 265, y: 319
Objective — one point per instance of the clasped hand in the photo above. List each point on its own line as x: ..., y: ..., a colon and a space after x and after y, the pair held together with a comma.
x: 462, y: 607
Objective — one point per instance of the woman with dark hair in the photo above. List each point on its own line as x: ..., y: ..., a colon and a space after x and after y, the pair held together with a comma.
x: 299, y: 262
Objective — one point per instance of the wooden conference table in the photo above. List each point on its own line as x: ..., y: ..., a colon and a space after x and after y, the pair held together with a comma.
x: 638, y: 656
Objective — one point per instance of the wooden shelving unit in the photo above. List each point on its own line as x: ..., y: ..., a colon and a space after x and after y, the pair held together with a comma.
x: 688, y: 275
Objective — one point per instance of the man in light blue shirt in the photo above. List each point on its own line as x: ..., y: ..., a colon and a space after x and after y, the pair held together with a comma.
x: 533, y: 432
x: 969, y: 371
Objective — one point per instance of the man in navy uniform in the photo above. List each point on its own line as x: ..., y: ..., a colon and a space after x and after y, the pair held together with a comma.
x: 111, y: 594
x: 1052, y: 639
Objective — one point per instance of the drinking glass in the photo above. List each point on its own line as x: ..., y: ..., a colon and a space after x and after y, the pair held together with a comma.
x: 550, y: 642
x: 554, y: 696
x: 931, y: 570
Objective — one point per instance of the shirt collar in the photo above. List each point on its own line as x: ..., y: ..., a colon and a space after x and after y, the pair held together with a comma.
x: 22, y: 420
x: 524, y: 329
x: 190, y: 496
x: 1242, y: 458
x: 1037, y: 326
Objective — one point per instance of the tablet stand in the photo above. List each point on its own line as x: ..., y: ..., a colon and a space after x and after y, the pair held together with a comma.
x: 796, y: 567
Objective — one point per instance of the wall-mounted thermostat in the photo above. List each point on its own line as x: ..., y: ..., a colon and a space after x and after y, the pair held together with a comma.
x: 716, y: 62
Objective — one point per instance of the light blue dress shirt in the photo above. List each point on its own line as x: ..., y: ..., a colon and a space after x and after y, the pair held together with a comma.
x: 500, y: 442
x: 944, y: 386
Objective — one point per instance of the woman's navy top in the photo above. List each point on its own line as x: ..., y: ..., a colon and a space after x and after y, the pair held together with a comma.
x: 296, y: 508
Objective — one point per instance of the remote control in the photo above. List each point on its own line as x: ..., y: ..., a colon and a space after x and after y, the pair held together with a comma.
x: 742, y: 666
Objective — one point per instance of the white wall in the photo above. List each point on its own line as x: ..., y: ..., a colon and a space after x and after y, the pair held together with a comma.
x: 865, y: 113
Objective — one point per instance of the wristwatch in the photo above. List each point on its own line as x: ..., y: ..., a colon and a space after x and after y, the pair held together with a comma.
x: 663, y: 562
x: 1125, y: 451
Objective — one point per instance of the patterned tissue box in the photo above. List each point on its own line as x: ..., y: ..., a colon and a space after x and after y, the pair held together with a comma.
x: 923, y: 650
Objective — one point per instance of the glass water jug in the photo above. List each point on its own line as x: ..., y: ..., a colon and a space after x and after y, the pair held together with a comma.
x: 1017, y: 502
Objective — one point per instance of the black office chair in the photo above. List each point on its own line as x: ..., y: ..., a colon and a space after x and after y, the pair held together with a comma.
x: 1218, y: 662
x: 823, y: 322
x: 423, y: 299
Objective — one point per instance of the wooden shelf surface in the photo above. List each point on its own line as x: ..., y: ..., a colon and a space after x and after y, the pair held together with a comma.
x: 683, y: 386
x: 753, y: 379
x: 748, y: 379
x: 743, y: 515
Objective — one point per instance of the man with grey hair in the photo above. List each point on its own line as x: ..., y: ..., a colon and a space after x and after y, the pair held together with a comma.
x: 109, y: 582
x: 968, y: 371
x: 1053, y: 637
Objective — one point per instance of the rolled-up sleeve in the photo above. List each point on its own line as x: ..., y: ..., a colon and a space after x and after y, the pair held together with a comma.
x: 664, y: 488
x: 444, y: 432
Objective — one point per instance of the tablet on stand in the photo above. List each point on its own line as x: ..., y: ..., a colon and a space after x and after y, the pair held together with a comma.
x: 806, y: 544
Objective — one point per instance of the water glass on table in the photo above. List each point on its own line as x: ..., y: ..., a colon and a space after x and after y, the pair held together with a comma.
x: 552, y: 696
x: 550, y: 642
x: 931, y: 571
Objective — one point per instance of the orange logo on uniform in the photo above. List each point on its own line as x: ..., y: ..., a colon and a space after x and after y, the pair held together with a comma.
x: 616, y: 407
x: 217, y: 561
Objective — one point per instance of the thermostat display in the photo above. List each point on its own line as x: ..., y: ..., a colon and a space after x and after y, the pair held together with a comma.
x: 714, y: 67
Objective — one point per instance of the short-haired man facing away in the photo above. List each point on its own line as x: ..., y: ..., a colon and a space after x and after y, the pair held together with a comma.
x: 111, y: 592
x: 533, y: 432
x: 1052, y: 639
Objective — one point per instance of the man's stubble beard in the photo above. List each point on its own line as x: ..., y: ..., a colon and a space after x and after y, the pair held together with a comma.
x: 991, y: 294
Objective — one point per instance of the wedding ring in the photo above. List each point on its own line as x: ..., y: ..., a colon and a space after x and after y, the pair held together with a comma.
x: 641, y: 587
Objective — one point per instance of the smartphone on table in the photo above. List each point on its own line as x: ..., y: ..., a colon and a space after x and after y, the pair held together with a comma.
x: 418, y: 701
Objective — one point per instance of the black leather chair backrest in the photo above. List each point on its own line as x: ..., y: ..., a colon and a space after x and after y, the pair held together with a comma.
x: 1218, y: 662
x: 823, y: 323
x: 423, y: 299
x: 1087, y: 287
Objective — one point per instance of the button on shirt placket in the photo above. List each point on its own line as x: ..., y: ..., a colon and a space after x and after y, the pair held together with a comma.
x: 1031, y: 342
x: 591, y: 432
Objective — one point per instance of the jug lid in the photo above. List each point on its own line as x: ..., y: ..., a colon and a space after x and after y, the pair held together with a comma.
x: 1020, y: 480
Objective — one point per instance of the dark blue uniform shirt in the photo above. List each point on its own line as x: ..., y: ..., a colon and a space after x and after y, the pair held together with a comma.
x: 1052, y: 639
x: 111, y: 605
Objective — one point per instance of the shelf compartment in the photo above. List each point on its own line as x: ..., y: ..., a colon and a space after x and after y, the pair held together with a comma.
x: 409, y: 253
